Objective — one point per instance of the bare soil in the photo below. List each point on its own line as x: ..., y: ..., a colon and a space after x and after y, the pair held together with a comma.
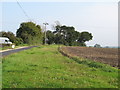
x: 103, y: 55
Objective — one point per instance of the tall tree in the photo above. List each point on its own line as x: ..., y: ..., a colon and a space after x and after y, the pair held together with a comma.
x: 30, y: 33
x: 68, y: 36
x: 50, y: 37
x: 85, y: 36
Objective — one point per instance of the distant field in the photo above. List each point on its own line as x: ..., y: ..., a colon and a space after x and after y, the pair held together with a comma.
x: 104, y: 55
x: 46, y: 67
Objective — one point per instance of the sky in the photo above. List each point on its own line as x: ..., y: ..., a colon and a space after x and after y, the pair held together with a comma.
x: 97, y: 17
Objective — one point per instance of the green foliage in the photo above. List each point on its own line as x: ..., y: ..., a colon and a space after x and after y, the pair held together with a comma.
x: 85, y: 36
x: 50, y: 37
x: 30, y: 33
x: 18, y: 41
x: 11, y: 37
x: 67, y: 35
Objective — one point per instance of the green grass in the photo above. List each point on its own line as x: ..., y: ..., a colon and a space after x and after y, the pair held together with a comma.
x: 10, y: 47
x: 45, y: 67
x: 6, y: 47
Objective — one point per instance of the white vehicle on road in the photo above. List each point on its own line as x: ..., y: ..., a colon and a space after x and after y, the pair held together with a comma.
x: 6, y: 41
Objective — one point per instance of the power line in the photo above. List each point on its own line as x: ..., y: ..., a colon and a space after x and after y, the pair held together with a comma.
x: 23, y: 10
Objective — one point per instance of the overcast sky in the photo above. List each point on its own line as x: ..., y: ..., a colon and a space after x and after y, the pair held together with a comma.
x: 98, y: 18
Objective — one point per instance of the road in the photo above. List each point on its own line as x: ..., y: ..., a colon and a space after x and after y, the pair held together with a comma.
x: 5, y: 53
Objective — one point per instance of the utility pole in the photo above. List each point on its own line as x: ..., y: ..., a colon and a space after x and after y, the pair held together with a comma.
x: 45, y: 31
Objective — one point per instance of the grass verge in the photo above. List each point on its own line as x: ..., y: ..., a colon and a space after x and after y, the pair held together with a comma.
x: 10, y: 47
x: 46, y: 67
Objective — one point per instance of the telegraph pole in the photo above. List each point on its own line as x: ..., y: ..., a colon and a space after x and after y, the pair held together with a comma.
x: 45, y: 31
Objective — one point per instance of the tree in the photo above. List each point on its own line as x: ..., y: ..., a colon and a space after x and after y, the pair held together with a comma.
x: 97, y: 45
x: 11, y: 37
x: 30, y: 33
x: 50, y: 37
x: 85, y: 36
x: 67, y: 35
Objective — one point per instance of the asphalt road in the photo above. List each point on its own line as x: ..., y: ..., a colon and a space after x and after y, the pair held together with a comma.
x: 5, y: 53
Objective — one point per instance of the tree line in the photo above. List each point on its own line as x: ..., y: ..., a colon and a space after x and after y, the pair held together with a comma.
x: 31, y: 33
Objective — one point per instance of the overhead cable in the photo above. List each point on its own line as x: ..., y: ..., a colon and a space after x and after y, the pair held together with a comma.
x: 23, y: 10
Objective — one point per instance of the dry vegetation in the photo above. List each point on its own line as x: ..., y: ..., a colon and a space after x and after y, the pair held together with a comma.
x: 104, y: 55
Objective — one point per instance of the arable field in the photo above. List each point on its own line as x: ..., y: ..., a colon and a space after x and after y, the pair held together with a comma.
x: 46, y: 67
x: 103, y: 55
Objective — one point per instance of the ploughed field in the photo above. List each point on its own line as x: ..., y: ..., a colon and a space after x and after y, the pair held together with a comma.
x: 104, y: 55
